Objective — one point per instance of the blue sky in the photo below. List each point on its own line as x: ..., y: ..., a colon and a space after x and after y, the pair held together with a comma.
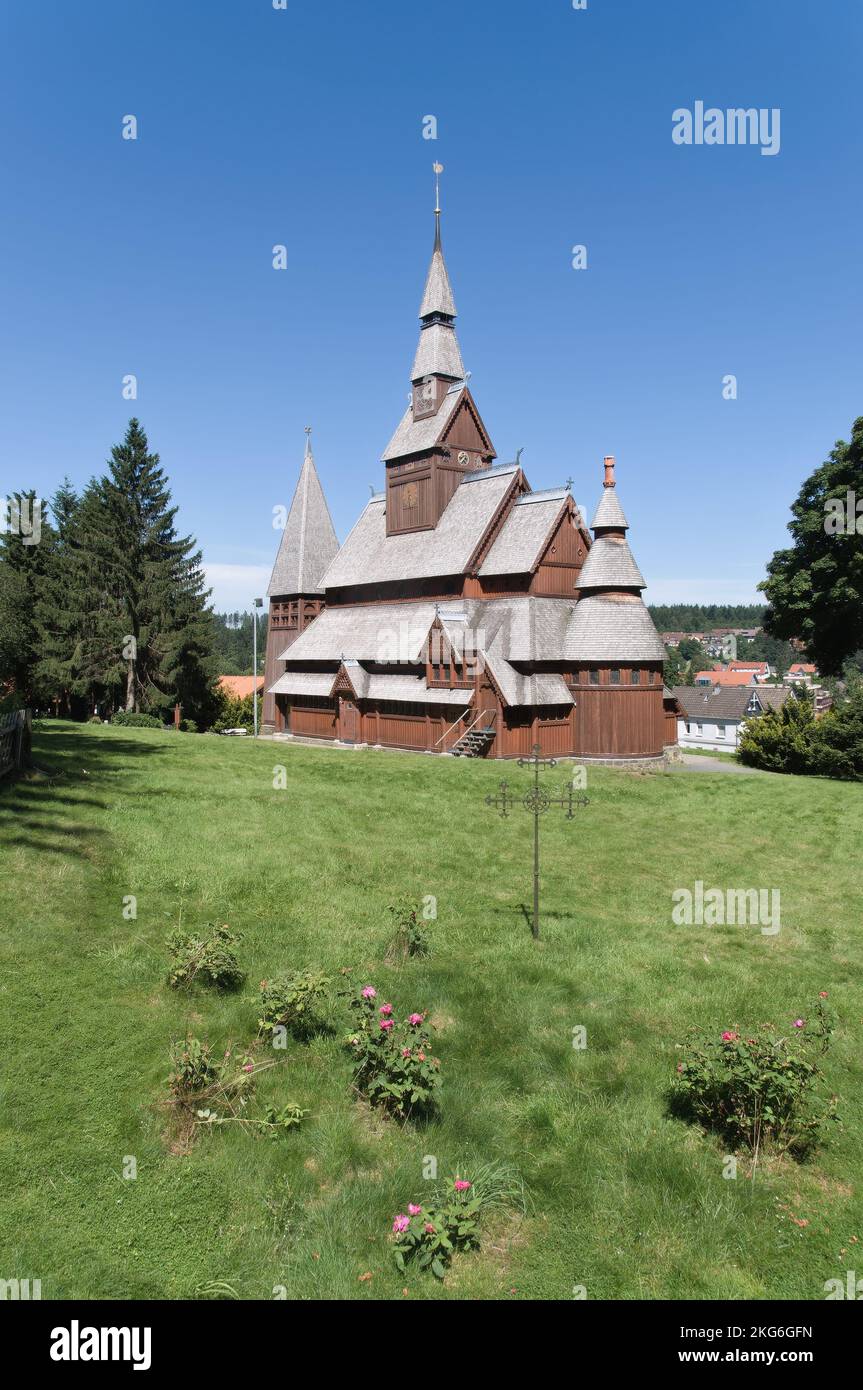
x: 305, y: 127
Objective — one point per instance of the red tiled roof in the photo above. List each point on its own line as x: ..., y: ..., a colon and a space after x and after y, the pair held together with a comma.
x: 725, y: 677
x: 241, y: 686
x: 802, y: 667
x: 748, y: 666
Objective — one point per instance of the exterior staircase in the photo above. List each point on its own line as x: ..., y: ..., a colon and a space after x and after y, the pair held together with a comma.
x: 475, y: 743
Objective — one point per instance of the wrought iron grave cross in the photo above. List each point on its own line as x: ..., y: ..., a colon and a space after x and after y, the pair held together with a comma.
x: 537, y: 800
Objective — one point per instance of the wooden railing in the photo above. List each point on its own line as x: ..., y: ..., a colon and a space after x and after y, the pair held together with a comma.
x: 14, y: 740
x: 464, y: 732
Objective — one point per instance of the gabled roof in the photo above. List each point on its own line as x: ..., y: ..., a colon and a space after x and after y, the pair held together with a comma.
x: 308, y: 541
x: 710, y: 678
x: 606, y: 627
x: 370, y: 556
x: 609, y: 565
x: 700, y: 702
x: 412, y: 436
x: 382, y: 632
x: 609, y: 511
x: 524, y: 535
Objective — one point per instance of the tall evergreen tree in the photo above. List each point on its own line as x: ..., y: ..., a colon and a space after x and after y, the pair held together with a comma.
x: 148, y: 633
x: 58, y: 608
x: 26, y: 537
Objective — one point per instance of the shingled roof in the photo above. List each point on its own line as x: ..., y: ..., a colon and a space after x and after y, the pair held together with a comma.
x: 437, y: 353
x: 609, y: 511
x: 612, y: 628
x: 609, y: 565
x: 370, y: 556
x: 438, y: 296
x: 308, y: 541
x: 525, y: 533
x: 412, y: 436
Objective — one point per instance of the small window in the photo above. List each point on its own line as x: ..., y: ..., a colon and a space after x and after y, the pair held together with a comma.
x: 615, y: 677
x: 720, y: 731
x: 636, y: 676
x: 700, y: 729
x: 594, y: 676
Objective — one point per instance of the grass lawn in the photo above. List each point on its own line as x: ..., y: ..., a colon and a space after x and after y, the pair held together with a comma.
x: 622, y: 1199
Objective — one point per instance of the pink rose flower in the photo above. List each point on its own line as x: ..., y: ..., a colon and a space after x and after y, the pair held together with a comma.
x: 370, y: 992
x: 429, y: 1229
x: 416, y: 1019
x: 401, y: 1223
x: 414, y: 1209
x: 421, y: 1056
x: 386, y: 1024
x: 406, y: 1052
x: 460, y: 1185
x: 249, y: 1066
x: 729, y: 1037
x: 822, y: 994
x: 385, y: 1009
x: 800, y: 1023
x: 680, y: 1066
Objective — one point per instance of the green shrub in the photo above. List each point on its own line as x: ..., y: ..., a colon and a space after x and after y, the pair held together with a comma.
x: 188, y: 726
x: 204, y: 957
x: 127, y: 719
x: 206, y: 1093
x: 395, y: 1068
x: 410, y: 937
x: 793, y: 740
x: 293, y: 1002
x: 758, y: 1091
x: 430, y: 1233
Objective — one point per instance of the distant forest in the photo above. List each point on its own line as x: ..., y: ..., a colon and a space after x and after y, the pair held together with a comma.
x: 232, y: 644
x: 702, y: 617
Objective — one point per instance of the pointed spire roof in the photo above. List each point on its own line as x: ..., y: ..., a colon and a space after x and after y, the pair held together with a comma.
x: 308, y: 543
x: 609, y: 512
x: 438, y: 296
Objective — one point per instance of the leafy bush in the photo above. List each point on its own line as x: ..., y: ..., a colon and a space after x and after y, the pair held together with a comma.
x: 757, y: 1091
x: 793, y: 740
x: 274, y: 1122
x: 431, y: 1233
x: 234, y: 713
x: 411, y: 937
x: 129, y: 720
x: 395, y: 1068
x: 292, y: 1002
x: 204, y: 957
x: 188, y: 726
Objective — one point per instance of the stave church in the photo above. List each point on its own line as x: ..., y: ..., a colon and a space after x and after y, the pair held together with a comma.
x: 465, y: 613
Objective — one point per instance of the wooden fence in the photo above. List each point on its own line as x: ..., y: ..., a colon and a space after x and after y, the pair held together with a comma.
x: 15, y: 731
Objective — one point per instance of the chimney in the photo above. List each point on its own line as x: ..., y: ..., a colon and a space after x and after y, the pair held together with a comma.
x: 608, y: 462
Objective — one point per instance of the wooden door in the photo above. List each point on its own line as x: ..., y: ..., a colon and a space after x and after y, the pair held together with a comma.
x: 349, y: 721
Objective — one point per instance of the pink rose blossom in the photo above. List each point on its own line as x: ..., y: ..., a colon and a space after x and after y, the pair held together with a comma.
x: 429, y: 1229
x: 800, y: 1023
x: 414, y: 1209
x: 416, y: 1019
x: 401, y: 1223
x: 421, y: 1056
x: 370, y: 992
x: 386, y: 1024
x: 729, y: 1037
x: 249, y: 1066
x: 460, y: 1185
x: 822, y: 994
x: 680, y: 1066
x: 406, y: 1052
x: 385, y: 1009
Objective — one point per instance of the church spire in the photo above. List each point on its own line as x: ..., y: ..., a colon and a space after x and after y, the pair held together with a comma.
x: 438, y: 351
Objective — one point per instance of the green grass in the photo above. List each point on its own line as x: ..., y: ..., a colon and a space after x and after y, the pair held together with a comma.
x: 621, y: 1198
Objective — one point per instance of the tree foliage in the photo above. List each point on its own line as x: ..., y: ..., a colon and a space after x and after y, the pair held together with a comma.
x: 815, y: 587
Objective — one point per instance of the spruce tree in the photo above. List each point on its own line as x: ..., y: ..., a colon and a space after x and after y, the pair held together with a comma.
x: 26, y: 537
x: 149, y: 636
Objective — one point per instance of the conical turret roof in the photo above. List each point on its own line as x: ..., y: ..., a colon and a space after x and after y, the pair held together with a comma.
x: 308, y: 543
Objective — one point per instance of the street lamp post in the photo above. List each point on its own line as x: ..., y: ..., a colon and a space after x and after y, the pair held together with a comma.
x: 258, y: 603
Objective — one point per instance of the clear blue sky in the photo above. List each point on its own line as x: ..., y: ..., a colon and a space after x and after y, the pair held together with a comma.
x: 304, y: 127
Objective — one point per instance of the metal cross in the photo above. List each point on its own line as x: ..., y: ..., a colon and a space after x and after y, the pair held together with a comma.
x: 537, y: 800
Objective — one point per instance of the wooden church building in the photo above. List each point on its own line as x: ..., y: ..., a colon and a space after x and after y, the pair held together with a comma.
x: 465, y: 613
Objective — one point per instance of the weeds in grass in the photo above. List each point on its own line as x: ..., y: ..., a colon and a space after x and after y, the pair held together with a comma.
x: 410, y: 937
x: 205, y: 1091
x: 293, y: 1002
x: 204, y: 957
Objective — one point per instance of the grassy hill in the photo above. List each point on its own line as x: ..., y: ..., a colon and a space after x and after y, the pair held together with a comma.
x: 623, y: 1199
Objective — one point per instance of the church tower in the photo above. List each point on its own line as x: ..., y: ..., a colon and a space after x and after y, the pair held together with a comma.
x: 441, y: 436
x: 307, y: 546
